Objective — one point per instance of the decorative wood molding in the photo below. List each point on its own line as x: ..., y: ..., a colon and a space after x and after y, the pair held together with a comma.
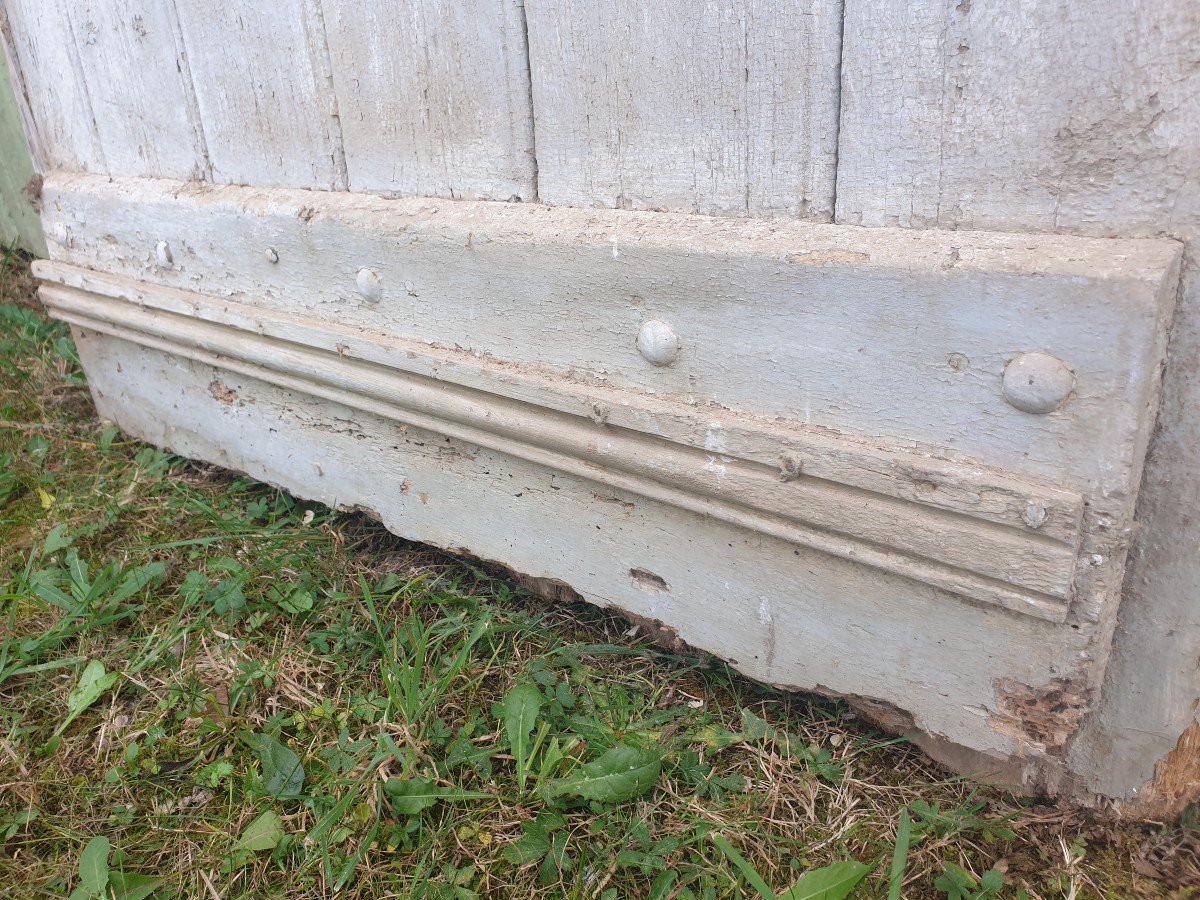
x: 869, y: 505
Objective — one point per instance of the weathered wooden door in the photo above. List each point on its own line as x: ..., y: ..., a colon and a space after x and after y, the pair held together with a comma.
x: 585, y: 288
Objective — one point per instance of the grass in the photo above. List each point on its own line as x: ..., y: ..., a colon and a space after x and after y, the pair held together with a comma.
x: 209, y: 688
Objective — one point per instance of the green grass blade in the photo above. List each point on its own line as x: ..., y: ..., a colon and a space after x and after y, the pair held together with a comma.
x: 900, y: 855
x: 748, y: 872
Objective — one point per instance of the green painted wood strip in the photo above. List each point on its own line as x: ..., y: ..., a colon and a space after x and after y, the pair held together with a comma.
x: 19, y: 223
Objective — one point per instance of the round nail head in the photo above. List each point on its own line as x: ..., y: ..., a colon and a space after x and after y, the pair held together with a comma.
x: 658, y: 343
x: 1037, y: 383
x: 370, y: 285
x: 272, y: 255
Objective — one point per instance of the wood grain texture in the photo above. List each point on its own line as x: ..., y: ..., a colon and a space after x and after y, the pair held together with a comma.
x: 434, y: 96
x: 727, y: 108
x: 1028, y: 115
x: 264, y: 92
x: 140, y: 95
x: 50, y: 86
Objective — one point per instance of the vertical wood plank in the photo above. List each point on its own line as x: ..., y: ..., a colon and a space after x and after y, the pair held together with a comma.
x: 266, y: 105
x: 1033, y: 114
x: 47, y: 74
x: 890, y: 137
x: 434, y: 96
x: 727, y: 108
x: 139, y: 96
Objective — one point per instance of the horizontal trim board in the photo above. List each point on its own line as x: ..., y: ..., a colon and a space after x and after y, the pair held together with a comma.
x: 1013, y: 567
x: 975, y: 491
x: 808, y: 245
x: 898, y: 337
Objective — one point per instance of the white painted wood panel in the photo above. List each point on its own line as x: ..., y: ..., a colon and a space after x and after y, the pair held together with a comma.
x: 713, y: 107
x: 1026, y: 115
x: 140, y: 87
x: 264, y: 92
x: 50, y: 88
x: 434, y: 96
